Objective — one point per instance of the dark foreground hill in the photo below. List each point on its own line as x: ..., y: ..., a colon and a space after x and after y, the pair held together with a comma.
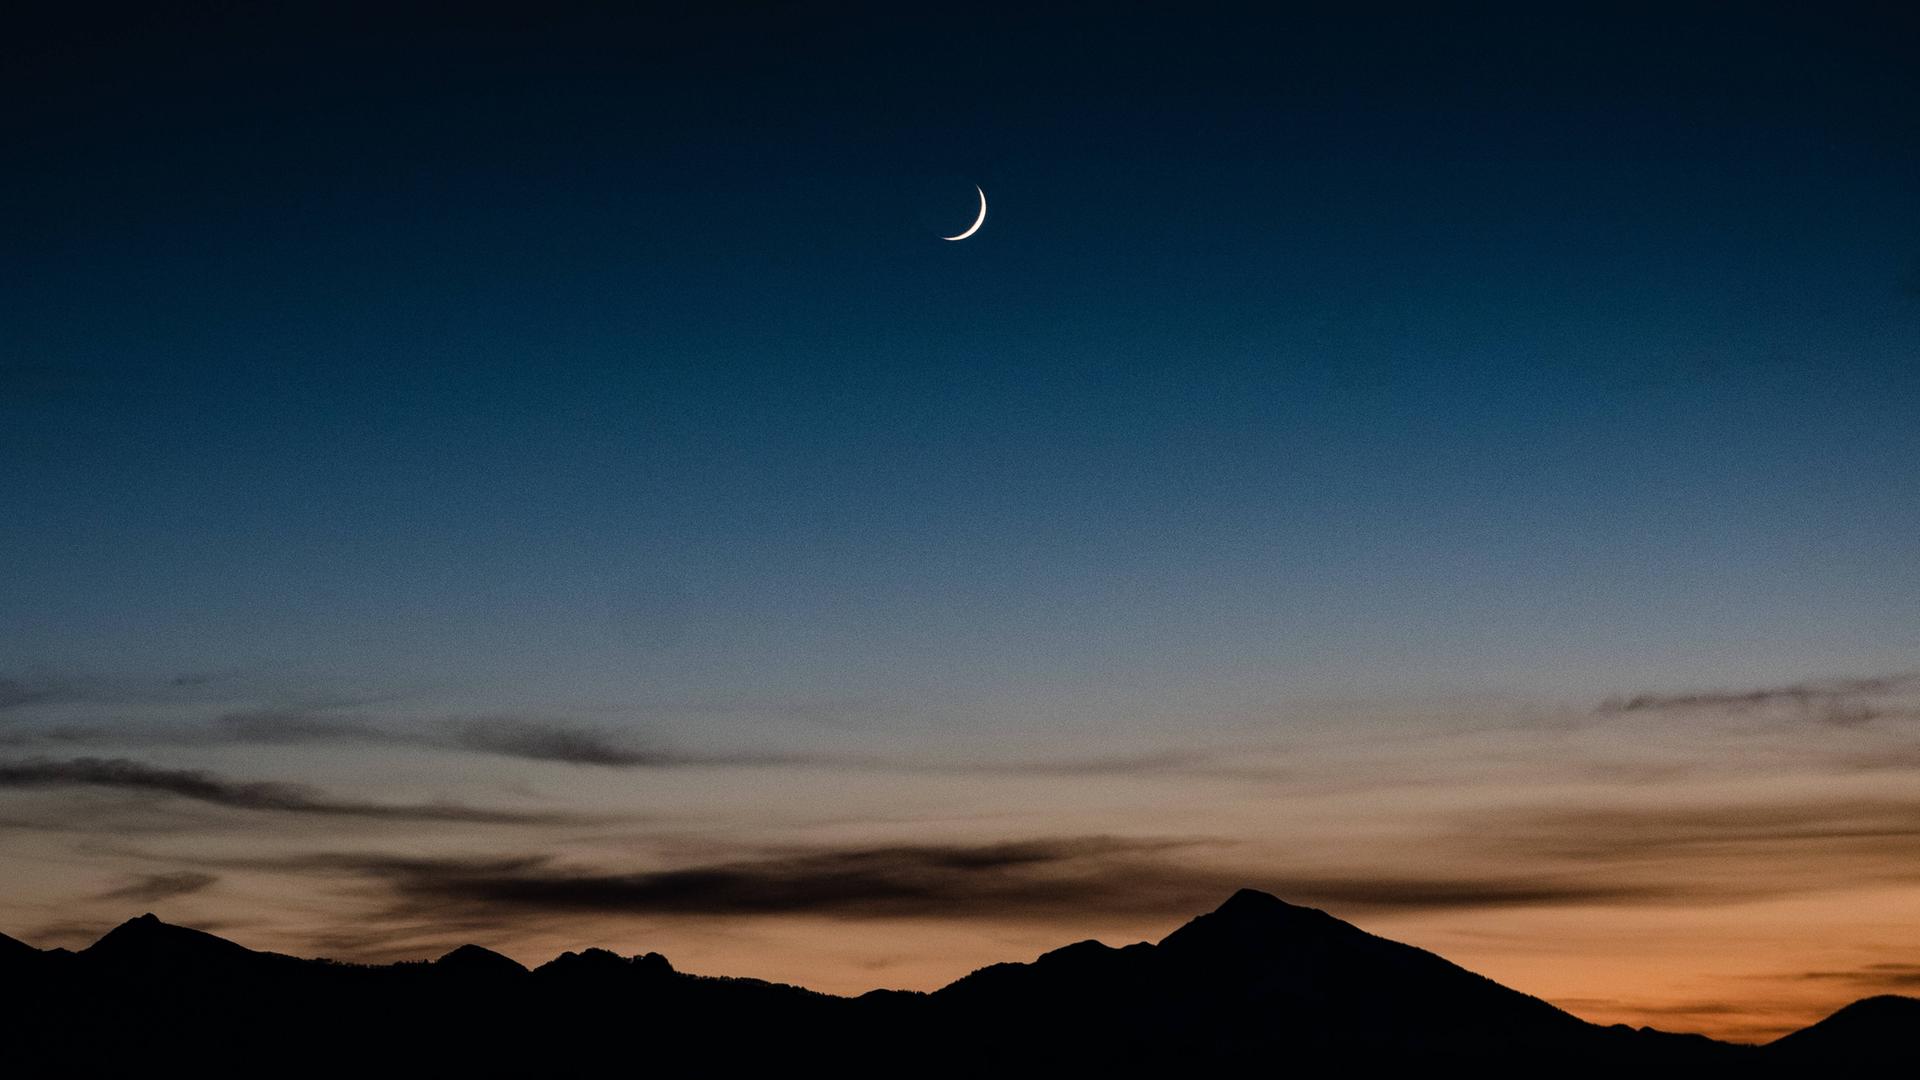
x: 1883, y: 1029
x: 1256, y: 984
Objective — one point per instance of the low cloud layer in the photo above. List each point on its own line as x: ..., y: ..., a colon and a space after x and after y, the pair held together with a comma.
x: 1031, y: 878
x: 1058, y: 879
x: 127, y: 775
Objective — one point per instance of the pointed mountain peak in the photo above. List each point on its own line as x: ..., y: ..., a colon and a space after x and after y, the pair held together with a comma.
x: 1251, y: 916
x: 148, y: 939
x: 140, y: 924
x: 475, y: 960
x: 144, y: 924
x: 1248, y: 901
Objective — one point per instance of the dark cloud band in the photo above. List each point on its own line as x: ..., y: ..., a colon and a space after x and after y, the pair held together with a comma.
x: 1842, y: 702
x: 1064, y: 878
x: 128, y: 775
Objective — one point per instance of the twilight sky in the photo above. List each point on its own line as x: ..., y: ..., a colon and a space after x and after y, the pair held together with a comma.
x: 540, y: 479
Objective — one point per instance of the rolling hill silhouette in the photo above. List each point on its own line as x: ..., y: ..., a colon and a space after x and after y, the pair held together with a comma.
x: 1871, y: 1030
x: 1255, y: 983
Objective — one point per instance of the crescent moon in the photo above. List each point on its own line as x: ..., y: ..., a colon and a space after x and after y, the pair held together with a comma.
x: 977, y: 222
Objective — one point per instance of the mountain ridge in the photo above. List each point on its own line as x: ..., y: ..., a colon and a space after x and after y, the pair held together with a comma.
x: 1256, y: 979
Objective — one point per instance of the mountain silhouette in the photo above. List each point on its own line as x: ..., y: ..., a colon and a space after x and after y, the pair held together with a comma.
x: 1258, y: 977
x: 13, y: 950
x: 1256, y: 983
x: 474, y: 962
x: 149, y: 946
x: 1875, y: 1030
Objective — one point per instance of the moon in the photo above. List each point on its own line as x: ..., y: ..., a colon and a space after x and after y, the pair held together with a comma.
x: 977, y: 222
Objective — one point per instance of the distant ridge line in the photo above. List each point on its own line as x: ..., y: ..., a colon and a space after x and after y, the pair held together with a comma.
x: 1254, y: 982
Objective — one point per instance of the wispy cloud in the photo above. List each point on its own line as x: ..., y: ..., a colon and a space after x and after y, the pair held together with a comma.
x: 1886, y: 976
x: 1071, y: 878
x: 525, y: 738
x: 522, y: 737
x: 1030, y: 878
x: 543, y: 739
x: 154, y: 887
x: 1841, y: 702
x: 534, y: 739
x: 1868, y: 837
x: 128, y: 775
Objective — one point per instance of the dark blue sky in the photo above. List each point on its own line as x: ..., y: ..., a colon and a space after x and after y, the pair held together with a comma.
x: 569, y: 359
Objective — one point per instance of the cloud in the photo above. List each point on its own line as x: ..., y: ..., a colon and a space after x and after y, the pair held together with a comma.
x: 546, y: 741
x: 1073, y: 878
x: 154, y: 887
x: 525, y: 738
x: 533, y: 739
x: 1841, y: 702
x: 1887, y: 976
x: 127, y: 775
x: 379, y: 865
x: 1031, y: 878
x: 530, y: 738
x: 1753, y: 848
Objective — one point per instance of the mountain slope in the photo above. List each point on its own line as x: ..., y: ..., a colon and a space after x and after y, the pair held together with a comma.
x: 1258, y: 977
x: 1255, y: 983
x: 1884, y: 1029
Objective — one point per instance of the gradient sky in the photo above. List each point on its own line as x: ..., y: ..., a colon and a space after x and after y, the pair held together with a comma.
x: 460, y: 471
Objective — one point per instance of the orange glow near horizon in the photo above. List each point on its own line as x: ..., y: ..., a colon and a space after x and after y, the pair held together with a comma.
x: 1736, y: 875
